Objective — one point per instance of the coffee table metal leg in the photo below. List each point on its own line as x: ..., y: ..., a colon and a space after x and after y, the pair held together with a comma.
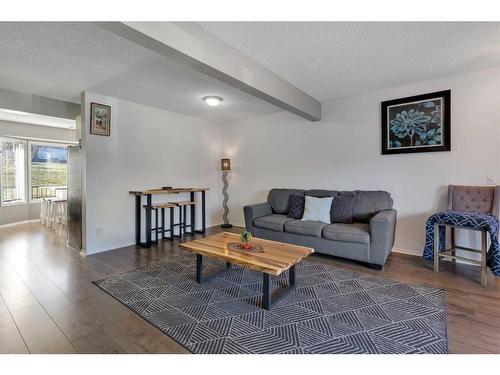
x: 268, y: 299
x: 266, y: 291
x: 291, y: 276
x: 199, y: 268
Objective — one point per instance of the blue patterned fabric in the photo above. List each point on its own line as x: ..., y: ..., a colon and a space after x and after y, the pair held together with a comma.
x: 471, y: 220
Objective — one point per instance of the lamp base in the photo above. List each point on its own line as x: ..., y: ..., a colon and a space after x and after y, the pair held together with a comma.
x: 226, y: 226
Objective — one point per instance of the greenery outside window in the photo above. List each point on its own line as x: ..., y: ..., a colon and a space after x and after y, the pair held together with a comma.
x: 47, y: 169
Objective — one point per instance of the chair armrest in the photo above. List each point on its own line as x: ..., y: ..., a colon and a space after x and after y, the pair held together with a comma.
x: 382, y: 232
x: 254, y: 211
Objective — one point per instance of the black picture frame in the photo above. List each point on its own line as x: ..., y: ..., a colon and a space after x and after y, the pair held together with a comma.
x: 424, y: 143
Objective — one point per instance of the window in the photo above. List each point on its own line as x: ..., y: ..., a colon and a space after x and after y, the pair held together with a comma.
x: 48, y: 169
x: 13, y: 174
x: 46, y: 164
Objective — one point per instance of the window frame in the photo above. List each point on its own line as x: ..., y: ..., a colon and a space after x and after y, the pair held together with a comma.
x: 25, y: 197
x: 28, y: 160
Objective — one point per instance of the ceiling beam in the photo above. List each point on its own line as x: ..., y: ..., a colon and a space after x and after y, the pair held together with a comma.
x: 190, y: 44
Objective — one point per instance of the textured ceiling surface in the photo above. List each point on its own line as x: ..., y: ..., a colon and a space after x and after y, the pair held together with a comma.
x: 330, y: 60
x: 327, y: 60
x: 60, y: 60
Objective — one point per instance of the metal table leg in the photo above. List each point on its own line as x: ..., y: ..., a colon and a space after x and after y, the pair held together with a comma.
x: 138, y: 220
x: 269, y: 298
x: 199, y: 270
x: 266, y: 291
x: 203, y: 214
x: 148, y: 220
x: 172, y: 227
x: 193, y: 213
x: 138, y: 208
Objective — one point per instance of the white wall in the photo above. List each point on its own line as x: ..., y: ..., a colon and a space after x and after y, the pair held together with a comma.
x: 148, y: 148
x: 343, y: 152
x: 23, y: 212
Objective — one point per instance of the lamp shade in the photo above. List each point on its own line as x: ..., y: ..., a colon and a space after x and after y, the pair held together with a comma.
x: 225, y: 164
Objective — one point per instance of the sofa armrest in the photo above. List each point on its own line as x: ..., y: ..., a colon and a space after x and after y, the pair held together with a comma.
x: 382, y: 233
x: 254, y: 211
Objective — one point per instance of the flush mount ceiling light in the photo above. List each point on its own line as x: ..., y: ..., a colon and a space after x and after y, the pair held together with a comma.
x: 212, y: 101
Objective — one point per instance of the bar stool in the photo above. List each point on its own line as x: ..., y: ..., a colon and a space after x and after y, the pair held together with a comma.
x: 49, y: 213
x: 56, y: 213
x: 161, y: 229
x: 43, y: 211
x: 473, y: 200
x: 183, y: 205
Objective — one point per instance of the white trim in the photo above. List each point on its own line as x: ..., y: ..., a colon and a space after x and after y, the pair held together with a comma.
x: 59, y: 141
x: 13, y: 203
x: 25, y: 170
x: 406, y: 251
x: 36, y: 119
x: 19, y: 223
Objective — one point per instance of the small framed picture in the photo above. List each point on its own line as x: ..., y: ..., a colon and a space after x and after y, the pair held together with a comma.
x: 417, y: 124
x: 100, y: 119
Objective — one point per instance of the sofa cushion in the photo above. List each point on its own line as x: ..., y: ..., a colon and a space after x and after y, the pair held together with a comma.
x: 296, y: 206
x: 320, y: 193
x: 317, y: 209
x: 272, y: 222
x: 305, y: 228
x: 341, y: 210
x: 368, y: 203
x: 358, y: 232
x: 279, y: 199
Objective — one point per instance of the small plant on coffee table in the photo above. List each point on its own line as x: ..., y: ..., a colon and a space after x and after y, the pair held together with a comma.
x: 245, y: 238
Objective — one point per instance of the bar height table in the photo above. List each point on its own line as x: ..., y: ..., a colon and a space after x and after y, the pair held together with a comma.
x: 149, y: 197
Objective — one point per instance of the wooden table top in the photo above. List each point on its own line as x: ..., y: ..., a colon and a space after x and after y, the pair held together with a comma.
x: 168, y: 191
x: 276, y: 258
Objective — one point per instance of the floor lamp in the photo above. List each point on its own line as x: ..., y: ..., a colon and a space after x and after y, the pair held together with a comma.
x: 225, y: 166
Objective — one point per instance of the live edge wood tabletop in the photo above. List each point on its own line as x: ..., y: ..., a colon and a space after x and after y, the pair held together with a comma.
x: 168, y: 191
x: 276, y: 258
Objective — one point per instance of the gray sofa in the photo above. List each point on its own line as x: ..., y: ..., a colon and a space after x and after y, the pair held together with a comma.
x: 368, y: 240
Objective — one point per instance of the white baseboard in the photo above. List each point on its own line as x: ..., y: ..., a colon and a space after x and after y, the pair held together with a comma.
x: 406, y: 251
x: 19, y: 223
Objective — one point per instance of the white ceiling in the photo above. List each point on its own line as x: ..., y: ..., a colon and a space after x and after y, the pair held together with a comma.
x: 60, y: 60
x: 329, y: 60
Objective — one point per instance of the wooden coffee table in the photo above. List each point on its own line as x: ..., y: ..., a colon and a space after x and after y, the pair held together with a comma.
x: 276, y: 258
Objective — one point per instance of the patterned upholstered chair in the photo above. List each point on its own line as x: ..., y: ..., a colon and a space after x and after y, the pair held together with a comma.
x: 480, y: 199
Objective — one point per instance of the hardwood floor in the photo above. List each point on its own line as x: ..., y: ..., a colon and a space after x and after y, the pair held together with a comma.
x: 48, y: 304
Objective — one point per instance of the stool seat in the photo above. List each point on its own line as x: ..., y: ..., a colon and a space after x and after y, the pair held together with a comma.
x: 183, y: 203
x: 162, y: 205
x: 57, y: 199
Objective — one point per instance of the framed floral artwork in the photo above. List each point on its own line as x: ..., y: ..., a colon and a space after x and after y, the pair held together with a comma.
x: 417, y: 124
x: 100, y: 119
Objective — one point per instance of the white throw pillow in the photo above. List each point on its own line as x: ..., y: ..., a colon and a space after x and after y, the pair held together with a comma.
x: 317, y: 209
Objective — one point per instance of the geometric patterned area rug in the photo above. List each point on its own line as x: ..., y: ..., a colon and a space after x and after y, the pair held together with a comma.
x: 331, y: 310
